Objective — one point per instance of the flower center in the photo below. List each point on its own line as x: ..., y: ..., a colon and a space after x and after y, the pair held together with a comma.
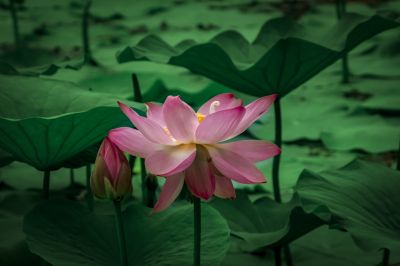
x: 213, y: 106
x: 200, y: 117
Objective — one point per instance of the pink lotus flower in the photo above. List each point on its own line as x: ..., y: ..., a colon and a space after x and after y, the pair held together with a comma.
x: 184, y: 146
x: 111, y: 177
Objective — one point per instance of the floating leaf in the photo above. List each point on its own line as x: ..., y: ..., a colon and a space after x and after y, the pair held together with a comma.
x: 54, y: 232
x: 51, y: 69
x: 282, y: 57
x: 364, y: 196
x: 45, y: 123
x: 265, y: 223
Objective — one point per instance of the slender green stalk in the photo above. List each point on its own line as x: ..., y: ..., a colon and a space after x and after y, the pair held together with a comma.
x: 288, y: 255
x: 275, y: 180
x: 119, y: 223
x: 278, y: 142
x: 275, y: 168
x: 277, y: 256
x: 149, y: 185
x: 340, y: 10
x: 132, y: 160
x: 385, y: 257
x: 143, y: 176
x: 197, y: 231
x: 137, y: 93
x: 87, y: 54
x: 89, y: 195
x: 14, y: 17
x: 46, y: 184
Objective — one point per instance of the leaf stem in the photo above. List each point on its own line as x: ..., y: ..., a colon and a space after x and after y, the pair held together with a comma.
x: 14, y: 17
x: 137, y: 92
x: 278, y: 142
x: 87, y: 54
x: 386, y: 256
x: 46, y: 184
x: 288, y: 255
x: 275, y: 180
x: 149, y: 185
x: 119, y: 223
x: 277, y: 256
x: 89, y: 195
x: 197, y: 230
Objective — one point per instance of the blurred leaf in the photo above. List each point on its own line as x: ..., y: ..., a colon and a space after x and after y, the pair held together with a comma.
x: 45, y: 123
x: 282, y: 57
x: 364, y: 196
x: 22, y: 176
x: 54, y: 232
x: 8, y: 69
x: 265, y: 223
x: 14, y: 250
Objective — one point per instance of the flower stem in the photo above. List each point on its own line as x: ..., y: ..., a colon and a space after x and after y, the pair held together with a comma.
x: 151, y: 186
x: 275, y: 180
x: 340, y: 10
x: 119, y: 223
x: 132, y: 160
x: 143, y: 175
x: 46, y: 184
x: 197, y: 230
x: 89, y: 195
x: 14, y: 17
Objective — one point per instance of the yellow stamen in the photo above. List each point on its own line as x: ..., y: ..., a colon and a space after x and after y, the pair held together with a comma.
x: 200, y: 117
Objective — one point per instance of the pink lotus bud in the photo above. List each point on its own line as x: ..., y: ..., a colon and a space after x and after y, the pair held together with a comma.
x: 111, y: 177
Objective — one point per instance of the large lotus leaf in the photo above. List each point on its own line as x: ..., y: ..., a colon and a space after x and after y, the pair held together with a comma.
x: 296, y: 158
x: 365, y: 198
x: 322, y: 246
x: 283, y: 56
x: 348, y: 123
x: 66, y: 233
x: 265, y: 223
x: 45, y: 123
x: 5, y: 158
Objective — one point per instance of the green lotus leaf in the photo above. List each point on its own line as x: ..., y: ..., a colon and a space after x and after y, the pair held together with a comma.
x: 363, y: 196
x: 283, y: 56
x: 265, y: 223
x: 55, y: 233
x: 46, y: 123
x: 49, y: 69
